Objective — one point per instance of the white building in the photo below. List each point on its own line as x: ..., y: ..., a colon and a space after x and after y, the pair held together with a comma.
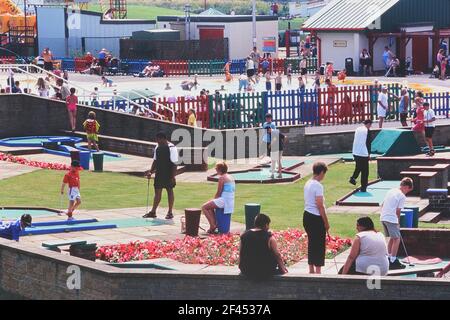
x: 69, y: 32
x: 237, y: 28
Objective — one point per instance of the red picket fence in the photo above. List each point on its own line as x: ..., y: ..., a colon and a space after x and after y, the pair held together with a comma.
x: 7, y: 60
x: 173, y: 67
x: 345, y: 105
x: 81, y: 64
x: 181, y: 106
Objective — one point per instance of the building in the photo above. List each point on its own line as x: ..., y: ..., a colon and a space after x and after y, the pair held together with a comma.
x: 236, y: 28
x: 70, y: 32
x: 411, y: 28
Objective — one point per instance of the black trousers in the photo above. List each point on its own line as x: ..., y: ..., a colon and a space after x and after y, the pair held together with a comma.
x: 315, y: 229
x: 362, y: 167
x: 352, y: 270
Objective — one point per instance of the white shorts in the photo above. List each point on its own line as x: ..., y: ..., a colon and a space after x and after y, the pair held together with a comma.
x: 381, y: 112
x: 219, y: 202
x: 74, y: 193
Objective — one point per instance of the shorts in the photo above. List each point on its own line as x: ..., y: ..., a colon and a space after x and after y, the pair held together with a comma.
x: 268, y: 86
x: 74, y: 193
x: 429, y: 131
x: 92, y: 137
x: 391, y: 230
x: 250, y: 73
x: 304, y: 71
x: 48, y: 66
x: 403, y: 117
x: 163, y: 182
x: 381, y: 112
x: 278, y: 86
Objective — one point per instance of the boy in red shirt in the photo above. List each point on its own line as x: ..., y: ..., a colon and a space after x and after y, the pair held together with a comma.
x: 72, y: 178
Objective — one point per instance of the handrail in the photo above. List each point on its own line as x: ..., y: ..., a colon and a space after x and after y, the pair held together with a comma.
x: 86, y: 93
x: 156, y: 103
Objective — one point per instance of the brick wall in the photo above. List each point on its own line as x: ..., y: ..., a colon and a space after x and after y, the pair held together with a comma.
x: 389, y: 168
x: 426, y: 242
x: 35, y: 273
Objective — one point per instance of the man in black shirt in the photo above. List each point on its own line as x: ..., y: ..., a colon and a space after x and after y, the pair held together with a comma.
x: 164, y: 167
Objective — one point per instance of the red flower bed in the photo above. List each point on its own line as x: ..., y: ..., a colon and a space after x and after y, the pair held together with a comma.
x: 37, y: 164
x: 214, y: 250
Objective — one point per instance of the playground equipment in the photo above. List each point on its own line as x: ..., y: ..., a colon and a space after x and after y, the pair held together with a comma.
x: 116, y: 8
x: 13, y: 20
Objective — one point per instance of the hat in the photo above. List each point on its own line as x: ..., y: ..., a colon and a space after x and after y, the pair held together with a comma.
x: 75, y: 163
x: 26, y: 219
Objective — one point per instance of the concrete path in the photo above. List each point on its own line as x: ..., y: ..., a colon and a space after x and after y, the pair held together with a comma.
x: 9, y: 169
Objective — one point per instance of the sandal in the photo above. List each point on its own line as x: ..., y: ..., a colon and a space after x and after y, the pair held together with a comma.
x: 149, y: 215
x: 169, y: 216
x: 212, y: 231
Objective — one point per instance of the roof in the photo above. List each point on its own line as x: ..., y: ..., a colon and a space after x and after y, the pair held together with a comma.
x: 211, y: 12
x: 348, y: 14
x: 217, y: 18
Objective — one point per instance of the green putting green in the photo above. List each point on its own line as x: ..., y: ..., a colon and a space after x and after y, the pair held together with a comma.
x: 260, y: 175
x: 135, y: 222
x: 375, y: 193
x: 12, y: 214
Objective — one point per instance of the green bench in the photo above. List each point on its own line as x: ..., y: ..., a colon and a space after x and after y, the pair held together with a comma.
x: 419, y: 271
x: 54, y: 245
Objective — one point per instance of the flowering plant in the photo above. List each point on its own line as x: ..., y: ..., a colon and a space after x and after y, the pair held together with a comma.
x: 214, y: 250
x: 37, y: 164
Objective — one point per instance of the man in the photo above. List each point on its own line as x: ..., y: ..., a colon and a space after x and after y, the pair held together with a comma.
x: 383, y: 106
x: 48, y: 59
x: 361, y: 154
x: 390, y: 218
x: 165, y: 169
x: 12, y: 230
x: 256, y: 56
x: 430, y: 124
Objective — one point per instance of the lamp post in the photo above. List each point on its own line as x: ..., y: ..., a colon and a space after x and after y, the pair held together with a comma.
x: 254, y: 22
x: 187, y: 13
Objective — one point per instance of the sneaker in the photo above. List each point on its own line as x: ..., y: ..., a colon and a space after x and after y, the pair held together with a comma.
x: 352, y: 181
x: 396, y: 265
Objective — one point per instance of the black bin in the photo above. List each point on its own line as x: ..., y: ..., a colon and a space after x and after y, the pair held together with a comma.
x: 349, y: 66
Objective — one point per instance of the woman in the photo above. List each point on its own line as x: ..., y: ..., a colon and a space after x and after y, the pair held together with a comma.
x: 368, y: 253
x: 192, y: 119
x: 315, y: 219
x: 224, y: 198
x: 259, y: 257
x: 403, y: 107
x: 364, y: 58
x: 42, y: 88
x: 419, y: 114
x: 72, y: 101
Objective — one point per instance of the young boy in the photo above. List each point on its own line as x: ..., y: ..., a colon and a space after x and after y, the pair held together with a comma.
x: 92, y: 126
x: 72, y: 179
x: 430, y: 125
x: 278, y: 82
x: 289, y: 74
x: 107, y: 82
x: 268, y: 81
x: 390, y: 218
x: 268, y: 127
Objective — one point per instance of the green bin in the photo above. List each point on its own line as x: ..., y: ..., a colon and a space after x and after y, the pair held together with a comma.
x: 251, y: 211
x: 98, y: 161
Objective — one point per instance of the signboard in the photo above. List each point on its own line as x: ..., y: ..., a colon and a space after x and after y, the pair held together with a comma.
x: 269, y: 44
x: 340, y: 44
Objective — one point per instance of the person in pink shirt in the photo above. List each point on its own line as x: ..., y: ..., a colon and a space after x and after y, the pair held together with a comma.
x: 71, y: 102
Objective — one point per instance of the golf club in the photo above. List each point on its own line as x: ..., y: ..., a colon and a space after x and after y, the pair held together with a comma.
x: 406, y: 252
x: 61, y: 211
x: 148, y: 192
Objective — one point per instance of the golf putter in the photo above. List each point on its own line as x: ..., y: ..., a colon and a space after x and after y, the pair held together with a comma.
x: 406, y: 252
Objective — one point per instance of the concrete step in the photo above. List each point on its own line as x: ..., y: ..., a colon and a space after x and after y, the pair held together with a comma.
x: 430, y: 217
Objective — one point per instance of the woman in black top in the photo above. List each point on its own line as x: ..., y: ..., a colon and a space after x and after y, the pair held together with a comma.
x: 259, y: 255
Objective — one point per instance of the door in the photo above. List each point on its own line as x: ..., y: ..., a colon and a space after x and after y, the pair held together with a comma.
x: 420, y: 54
x: 211, y: 33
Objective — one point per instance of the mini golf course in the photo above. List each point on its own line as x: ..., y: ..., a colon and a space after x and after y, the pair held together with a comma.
x: 374, y: 196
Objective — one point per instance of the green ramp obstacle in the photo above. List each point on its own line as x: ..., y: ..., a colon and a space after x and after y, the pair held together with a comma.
x: 395, y: 142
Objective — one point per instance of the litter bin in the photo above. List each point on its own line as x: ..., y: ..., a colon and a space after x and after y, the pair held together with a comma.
x: 223, y: 221
x: 75, y: 155
x: 415, y: 216
x: 192, y: 218
x: 85, y: 158
x: 406, y: 218
x: 349, y: 66
x: 98, y: 161
x: 251, y: 211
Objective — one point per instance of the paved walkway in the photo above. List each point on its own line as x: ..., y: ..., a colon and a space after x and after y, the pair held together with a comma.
x: 9, y: 169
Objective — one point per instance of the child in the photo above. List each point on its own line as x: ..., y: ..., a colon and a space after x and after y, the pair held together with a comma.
x: 342, y: 75
x: 317, y: 80
x: 107, y: 82
x: 227, y: 69
x: 289, y: 74
x: 278, y: 141
x: 249, y: 87
x: 390, y: 218
x: 92, y: 126
x: 268, y: 81
x: 435, y: 73
x: 444, y: 68
x: 329, y: 70
x: 278, y: 82
x: 95, y: 97
x: 301, y: 84
x: 72, y: 179
x: 192, y: 120
x: 71, y: 102
x: 168, y: 87
x: 268, y: 127
x: 304, y: 69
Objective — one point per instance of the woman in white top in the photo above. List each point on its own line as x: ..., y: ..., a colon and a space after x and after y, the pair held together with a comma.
x: 42, y: 88
x: 369, y: 253
x: 315, y: 219
x: 224, y: 198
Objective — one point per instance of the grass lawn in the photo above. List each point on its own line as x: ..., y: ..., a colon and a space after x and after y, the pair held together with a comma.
x: 284, y: 203
x: 142, y: 12
x: 296, y: 23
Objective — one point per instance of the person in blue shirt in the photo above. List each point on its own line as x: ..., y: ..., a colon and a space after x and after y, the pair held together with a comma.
x: 268, y: 127
x: 12, y: 230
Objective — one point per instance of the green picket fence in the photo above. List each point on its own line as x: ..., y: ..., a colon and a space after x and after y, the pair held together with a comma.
x: 206, y: 67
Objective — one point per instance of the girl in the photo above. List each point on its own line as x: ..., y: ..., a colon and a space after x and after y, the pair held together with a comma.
x: 72, y: 101
x: 317, y: 80
x: 419, y: 117
x: 329, y: 70
x: 224, y: 198
x: 289, y: 74
x: 192, y: 119
x: 278, y: 82
x: 227, y: 68
x: 92, y: 126
x: 304, y: 69
x: 42, y: 88
x: 444, y: 68
x: 268, y: 81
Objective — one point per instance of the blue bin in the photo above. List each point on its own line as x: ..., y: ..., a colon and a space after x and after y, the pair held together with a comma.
x: 409, y: 218
x: 223, y: 221
x: 85, y: 157
x: 415, y: 216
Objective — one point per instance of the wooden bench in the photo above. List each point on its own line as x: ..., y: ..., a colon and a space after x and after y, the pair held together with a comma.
x: 441, y: 169
x: 419, y: 271
x: 422, y: 182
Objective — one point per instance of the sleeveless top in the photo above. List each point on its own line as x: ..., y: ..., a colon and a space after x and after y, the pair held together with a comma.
x: 372, y: 252
x: 227, y: 195
x: 257, y: 260
x: 402, y: 108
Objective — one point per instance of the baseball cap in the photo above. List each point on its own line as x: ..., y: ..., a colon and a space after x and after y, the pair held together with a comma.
x: 26, y: 219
